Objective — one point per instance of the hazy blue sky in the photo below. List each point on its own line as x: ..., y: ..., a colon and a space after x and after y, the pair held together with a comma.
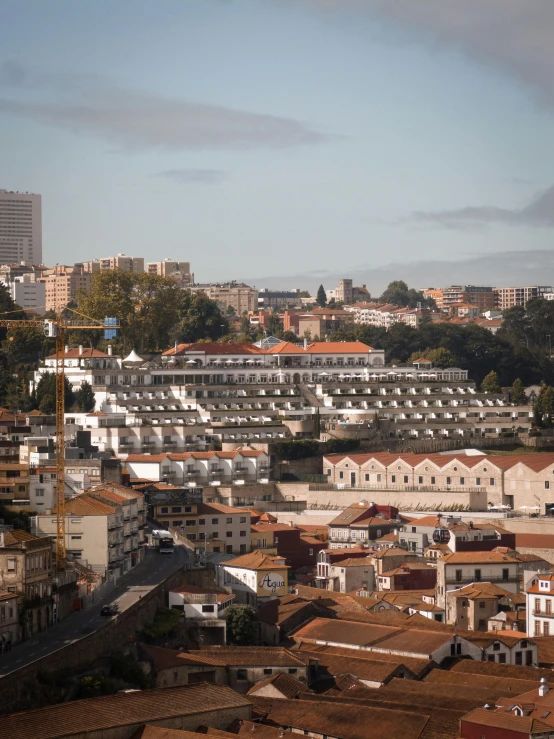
x: 277, y: 137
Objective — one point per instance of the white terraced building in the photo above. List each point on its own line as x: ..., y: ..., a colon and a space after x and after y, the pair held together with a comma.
x: 241, y: 393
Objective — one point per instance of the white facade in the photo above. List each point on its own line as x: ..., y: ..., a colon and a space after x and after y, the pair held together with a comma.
x: 540, y: 606
x: 457, y: 570
x: 27, y: 292
x: 20, y: 228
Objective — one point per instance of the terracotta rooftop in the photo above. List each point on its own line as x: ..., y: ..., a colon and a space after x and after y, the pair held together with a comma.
x: 477, y: 558
x: 506, y: 721
x: 85, y: 505
x: 257, y: 560
x: 286, y: 684
x: 127, y: 709
x: 249, y: 656
x: 85, y: 352
x: 521, y: 672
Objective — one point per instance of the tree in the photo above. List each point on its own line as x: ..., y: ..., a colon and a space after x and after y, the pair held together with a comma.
x: 242, y: 626
x: 544, y: 407
x: 46, y: 393
x: 491, y: 384
x: 85, y: 399
x: 321, y: 298
x: 305, y: 294
x: 289, y: 336
x: 398, y: 293
x: 230, y: 310
x: 274, y: 325
x: 440, y: 357
x: 517, y: 393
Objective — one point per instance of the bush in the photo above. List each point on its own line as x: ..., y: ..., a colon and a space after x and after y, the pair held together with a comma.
x: 166, y: 622
x: 336, y: 446
x: 297, y: 449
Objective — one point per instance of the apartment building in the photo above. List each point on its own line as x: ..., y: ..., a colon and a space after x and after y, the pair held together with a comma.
x: 179, y: 271
x: 28, y: 292
x: 201, y: 468
x: 94, y: 534
x: 9, y: 619
x: 121, y: 261
x: 14, y: 485
x: 211, y: 527
x: 62, y: 285
x: 384, y: 315
x: 508, y: 297
x: 463, y: 568
x: 238, y: 296
x: 299, y: 547
x: 452, y: 535
x: 254, y: 577
x: 20, y: 228
x: 481, y: 295
x: 320, y: 322
x: 26, y: 568
x: 540, y: 606
x: 133, y: 513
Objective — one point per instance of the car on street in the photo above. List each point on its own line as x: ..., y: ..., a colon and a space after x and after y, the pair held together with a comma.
x: 108, y: 611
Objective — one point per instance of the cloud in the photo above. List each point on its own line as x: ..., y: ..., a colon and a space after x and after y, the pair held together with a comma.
x: 539, y: 213
x: 512, y: 36
x: 138, y: 120
x: 194, y: 176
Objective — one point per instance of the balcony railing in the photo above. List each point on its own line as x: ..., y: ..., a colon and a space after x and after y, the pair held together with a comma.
x: 545, y: 614
x: 484, y: 578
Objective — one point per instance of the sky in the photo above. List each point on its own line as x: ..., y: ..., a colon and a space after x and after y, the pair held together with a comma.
x: 287, y: 142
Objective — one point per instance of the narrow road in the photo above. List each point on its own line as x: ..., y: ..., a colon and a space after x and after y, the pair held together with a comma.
x: 141, y: 579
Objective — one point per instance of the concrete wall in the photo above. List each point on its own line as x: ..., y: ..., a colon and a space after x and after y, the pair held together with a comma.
x: 21, y: 690
x: 405, y: 501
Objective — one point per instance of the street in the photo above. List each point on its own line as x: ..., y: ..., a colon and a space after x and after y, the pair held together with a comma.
x: 147, y: 575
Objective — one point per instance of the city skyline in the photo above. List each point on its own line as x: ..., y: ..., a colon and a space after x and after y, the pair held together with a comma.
x: 366, y: 140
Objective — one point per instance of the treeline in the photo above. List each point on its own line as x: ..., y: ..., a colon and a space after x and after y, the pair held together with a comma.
x: 471, y: 348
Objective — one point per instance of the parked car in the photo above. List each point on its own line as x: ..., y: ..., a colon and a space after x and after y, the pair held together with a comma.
x: 108, y: 611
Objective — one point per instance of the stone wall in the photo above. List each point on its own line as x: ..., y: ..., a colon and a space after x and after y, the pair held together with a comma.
x: 21, y: 689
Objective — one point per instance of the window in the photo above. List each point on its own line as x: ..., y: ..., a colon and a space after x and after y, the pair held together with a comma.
x: 191, y: 522
x: 75, y: 537
x: 448, y: 480
x: 268, y: 671
x: 405, y: 479
x: 506, y: 574
x: 496, y: 646
x: 341, y: 475
x: 537, y: 628
x: 432, y: 481
x: 164, y: 510
x: 537, y: 605
x: 229, y: 534
x: 477, y: 575
x: 379, y: 477
x: 462, y: 481
x: 242, y: 519
x: 215, y: 520
x: 420, y: 480
x: 201, y: 521
x: 208, y: 609
x: 311, y: 552
x: 458, y: 576
x: 11, y: 564
x: 275, y: 539
x: 547, y: 484
x: 393, y: 478
x: 292, y: 670
x: 176, y: 509
x: 188, y: 509
x: 481, y: 604
x: 519, y: 660
x: 548, y: 605
x: 366, y: 478
x: 328, y: 473
x: 491, y: 481
x: 502, y: 658
x: 243, y: 533
x: 242, y: 675
x: 477, y: 480
x: 529, y: 657
x: 215, y: 535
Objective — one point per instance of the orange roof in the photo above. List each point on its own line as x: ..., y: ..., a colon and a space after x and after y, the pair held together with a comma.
x: 85, y: 505
x: 338, y: 347
x: 214, y: 348
x: 257, y: 560
x: 75, y: 353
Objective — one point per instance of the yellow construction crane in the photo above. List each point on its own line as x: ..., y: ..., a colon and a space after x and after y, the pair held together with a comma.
x: 56, y: 328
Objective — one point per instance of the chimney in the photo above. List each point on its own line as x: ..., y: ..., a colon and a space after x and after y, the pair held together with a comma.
x: 80, y: 349
x: 66, y: 348
x: 176, y: 348
x: 305, y: 343
x: 543, y: 688
x: 110, y: 350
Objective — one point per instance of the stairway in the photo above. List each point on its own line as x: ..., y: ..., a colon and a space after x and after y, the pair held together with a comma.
x: 309, y: 395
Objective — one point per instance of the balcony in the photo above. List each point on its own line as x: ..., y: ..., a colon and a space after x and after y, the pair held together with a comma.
x: 544, y: 614
x: 466, y: 579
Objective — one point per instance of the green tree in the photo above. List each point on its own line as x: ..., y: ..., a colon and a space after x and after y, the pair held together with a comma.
x: 305, y: 294
x: 544, y: 407
x: 46, y: 393
x: 274, y: 325
x: 199, y: 318
x: 491, y: 384
x: 242, y: 626
x: 398, y: 293
x: 321, y: 298
x: 289, y: 336
x: 85, y: 399
x: 230, y: 310
x: 517, y: 393
x: 441, y: 357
